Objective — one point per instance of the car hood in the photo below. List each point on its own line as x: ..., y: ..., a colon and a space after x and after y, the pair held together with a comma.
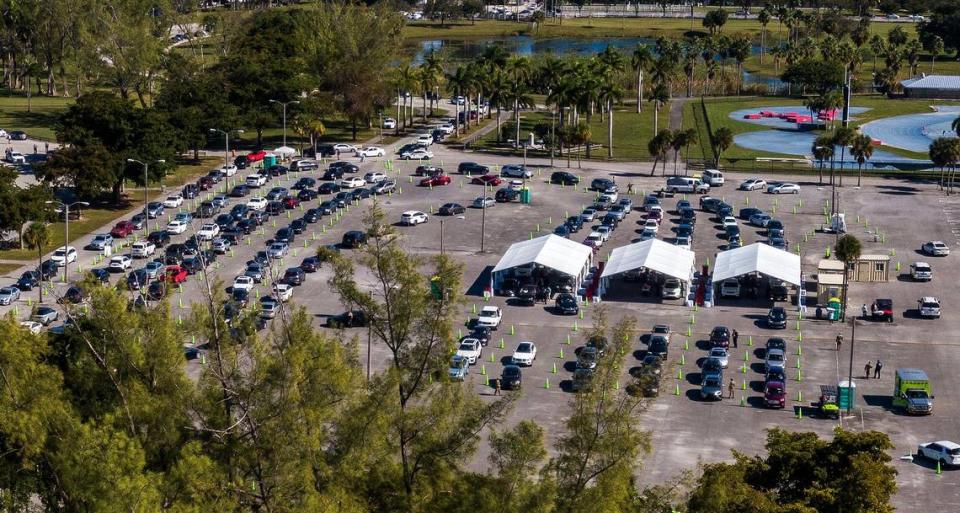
x: 919, y: 403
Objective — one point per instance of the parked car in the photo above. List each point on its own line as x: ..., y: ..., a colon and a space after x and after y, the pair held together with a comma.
x: 450, y: 209
x: 935, y: 248
x: 944, y: 452
x: 511, y: 378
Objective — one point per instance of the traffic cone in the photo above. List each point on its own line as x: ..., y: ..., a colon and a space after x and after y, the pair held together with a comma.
x: 939, y: 471
x: 568, y: 339
x: 513, y: 331
x: 743, y: 402
x: 561, y: 353
x: 575, y: 328
x: 483, y: 370
x: 750, y: 341
x: 679, y: 374
x: 676, y: 391
x: 686, y: 345
x: 683, y: 360
x: 546, y: 384
x: 554, y: 371
x: 744, y: 385
x: 492, y: 359
x: 799, y: 396
x: 501, y: 343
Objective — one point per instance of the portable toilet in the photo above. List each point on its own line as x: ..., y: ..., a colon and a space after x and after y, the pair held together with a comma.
x: 848, y: 395
x: 525, y: 195
x: 833, y: 308
x: 269, y: 161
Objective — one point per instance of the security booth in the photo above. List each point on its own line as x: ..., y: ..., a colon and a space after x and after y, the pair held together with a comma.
x: 549, y: 261
x: 829, y: 286
x: 649, y: 268
x: 870, y: 269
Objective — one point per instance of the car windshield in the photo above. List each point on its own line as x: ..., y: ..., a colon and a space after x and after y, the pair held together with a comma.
x: 468, y: 346
x: 928, y: 304
x: 525, y: 348
x: 774, y: 390
x: 775, y: 357
x: 916, y: 394
x: 718, y: 352
x: 712, y: 382
x: 488, y: 313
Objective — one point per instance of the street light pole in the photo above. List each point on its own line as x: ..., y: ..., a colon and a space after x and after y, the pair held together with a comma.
x: 66, y: 229
x: 146, y: 214
x: 284, y: 105
x: 853, y: 337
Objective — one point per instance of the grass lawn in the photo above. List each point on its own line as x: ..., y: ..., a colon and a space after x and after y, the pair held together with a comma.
x: 719, y: 111
x: 599, y: 27
x: 38, y: 122
x: 943, y: 66
x: 631, y: 132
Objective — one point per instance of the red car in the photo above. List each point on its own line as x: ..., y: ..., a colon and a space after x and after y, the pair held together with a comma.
x: 174, y: 274
x: 491, y: 180
x: 122, y: 229
x: 256, y: 156
x: 205, y: 183
x: 435, y: 180
x: 775, y: 395
x: 290, y: 202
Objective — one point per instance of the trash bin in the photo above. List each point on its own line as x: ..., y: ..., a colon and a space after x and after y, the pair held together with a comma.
x: 848, y: 395
x: 269, y: 161
x: 525, y: 196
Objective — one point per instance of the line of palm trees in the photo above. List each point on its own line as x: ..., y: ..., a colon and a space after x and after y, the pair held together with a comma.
x: 945, y: 153
x: 825, y: 148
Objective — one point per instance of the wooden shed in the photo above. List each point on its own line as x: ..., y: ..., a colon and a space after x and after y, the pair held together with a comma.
x: 829, y: 285
x: 870, y: 269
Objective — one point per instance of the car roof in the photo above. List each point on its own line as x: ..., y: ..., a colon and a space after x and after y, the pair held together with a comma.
x: 774, y: 351
x: 490, y: 309
x: 929, y: 299
x: 948, y: 444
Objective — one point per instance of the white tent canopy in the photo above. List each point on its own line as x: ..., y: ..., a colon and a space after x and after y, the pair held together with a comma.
x: 557, y: 253
x: 758, y: 258
x: 285, y: 151
x: 652, y: 254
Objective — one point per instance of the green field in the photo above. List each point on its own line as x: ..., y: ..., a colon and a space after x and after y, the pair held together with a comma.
x: 38, y: 121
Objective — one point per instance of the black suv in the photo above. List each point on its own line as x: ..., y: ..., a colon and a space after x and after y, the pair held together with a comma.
x: 506, y: 195
x: 603, y: 185
x: 470, y: 168
x: 159, y: 238
x: 354, y: 239
x: 777, y: 318
x: 294, y: 276
x: 564, y: 178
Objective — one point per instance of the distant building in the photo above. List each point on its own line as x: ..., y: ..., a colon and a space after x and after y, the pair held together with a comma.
x: 945, y: 87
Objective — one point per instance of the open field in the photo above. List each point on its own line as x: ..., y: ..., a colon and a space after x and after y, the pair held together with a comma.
x: 38, y: 122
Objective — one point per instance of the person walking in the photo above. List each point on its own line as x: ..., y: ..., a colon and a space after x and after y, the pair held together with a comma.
x: 863, y: 311
x: 736, y: 338
x: 338, y: 154
x: 866, y: 370
x: 730, y: 389
x: 496, y: 386
x: 839, y: 341
x: 362, y: 156
x: 876, y: 369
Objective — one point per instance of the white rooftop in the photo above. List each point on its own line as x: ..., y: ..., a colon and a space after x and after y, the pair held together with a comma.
x: 653, y: 254
x: 555, y: 252
x: 760, y: 258
x: 942, y: 82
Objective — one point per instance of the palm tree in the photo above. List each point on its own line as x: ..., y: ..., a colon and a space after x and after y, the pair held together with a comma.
x: 912, y: 51
x: 640, y: 61
x: 658, y: 96
x: 862, y: 150
x: 678, y: 141
x: 842, y: 137
x: 847, y: 249
x: 782, y: 14
x: 722, y: 140
x: 457, y: 83
x: 407, y: 82
x: 610, y: 92
x: 935, y: 47
x: 940, y: 155
x: 763, y: 18
x: 433, y: 63
x: 740, y: 50
x: 497, y: 86
x: 310, y: 125
x: 658, y: 147
x: 37, y: 236
x: 518, y: 69
x: 822, y: 150
x: 579, y: 134
x: 878, y: 46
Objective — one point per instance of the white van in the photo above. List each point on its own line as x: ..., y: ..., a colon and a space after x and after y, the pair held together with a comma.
x: 714, y: 177
x: 677, y: 184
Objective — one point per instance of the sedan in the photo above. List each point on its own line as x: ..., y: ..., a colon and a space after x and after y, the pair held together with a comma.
x: 720, y: 354
x: 176, y: 227
x: 173, y: 201
x: 418, y: 154
x: 371, y: 151
x: 784, y: 188
x: 101, y: 241
x: 277, y: 250
x: 352, y: 182
x: 435, y: 180
x: 257, y: 203
x: 935, y: 248
x: 470, y: 349
x: 123, y: 229
x: 32, y: 326
x: 220, y: 245
x: 119, y: 263
x: 720, y: 337
x: 459, y: 367
x: 491, y: 180
x: 775, y: 359
x: 484, y: 202
x: 753, y: 184
x: 515, y: 171
x: 525, y: 354
x: 374, y: 177
x: 9, y: 295
x: 450, y: 209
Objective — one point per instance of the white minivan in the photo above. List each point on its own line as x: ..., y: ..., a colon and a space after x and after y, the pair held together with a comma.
x: 714, y: 177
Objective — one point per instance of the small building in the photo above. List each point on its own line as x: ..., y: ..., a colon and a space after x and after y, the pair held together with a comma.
x: 870, y: 269
x: 829, y: 285
x: 946, y: 87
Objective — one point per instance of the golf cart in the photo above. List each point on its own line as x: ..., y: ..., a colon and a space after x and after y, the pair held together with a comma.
x: 829, y: 406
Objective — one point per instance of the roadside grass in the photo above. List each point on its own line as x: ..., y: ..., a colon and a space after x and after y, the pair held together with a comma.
x: 38, y: 122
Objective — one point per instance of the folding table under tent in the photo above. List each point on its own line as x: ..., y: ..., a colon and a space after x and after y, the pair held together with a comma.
x: 654, y: 255
x: 757, y: 258
x: 551, y: 251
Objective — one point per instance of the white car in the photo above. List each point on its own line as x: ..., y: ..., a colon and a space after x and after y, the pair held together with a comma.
x: 525, y: 354
x: 352, y: 183
x: 683, y: 242
x: 173, y: 201
x: 243, y: 282
x: 120, y: 263
x: 753, y: 184
x: 371, y: 151
x: 446, y: 128
x: 228, y: 170
x: 605, y: 232
x: 594, y: 240
x: 32, y: 326
x: 516, y: 185
x: 257, y: 180
x: 15, y: 157
x: 672, y: 289
x: 730, y: 288
x: 784, y: 188
x: 929, y: 307
x: 945, y: 452
x: 374, y: 177
x: 515, y: 171
x: 413, y: 217
x: 647, y: 234
x: 8, y: 295
x: 490, y: 317
x: 277, y: 250
x: 417, y: 154
x: 176, y: 227
x: 484, y: 202
x: 208, y: 231
x: 720, y: 354
x: 651, y: 224
x: 282, y: 291
x: 344, y: 148
x: 470, y: 349
x: 220, y: 246
x: 389, y: 123
x: 588, y: 215
x: 257, y: 203
x: 64, y: 255
x: 142, y: 249
x: 935, y: 248
x: 729, y: 221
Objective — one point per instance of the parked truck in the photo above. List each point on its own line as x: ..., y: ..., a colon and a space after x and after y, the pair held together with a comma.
x: 913, y: 392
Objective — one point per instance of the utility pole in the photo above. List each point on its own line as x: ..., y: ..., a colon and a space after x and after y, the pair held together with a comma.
x: 853, y: 342
x: 284, y: 105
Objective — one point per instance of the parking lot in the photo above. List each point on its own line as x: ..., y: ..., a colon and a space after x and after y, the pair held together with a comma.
x: 685, y: 429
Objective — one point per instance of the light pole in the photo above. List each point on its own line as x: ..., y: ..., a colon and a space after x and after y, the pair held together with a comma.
x: 66, y: 229
x: 441, y: 231
x: 284, y: 105
x: 146, y: 167
x: 226, y: 146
